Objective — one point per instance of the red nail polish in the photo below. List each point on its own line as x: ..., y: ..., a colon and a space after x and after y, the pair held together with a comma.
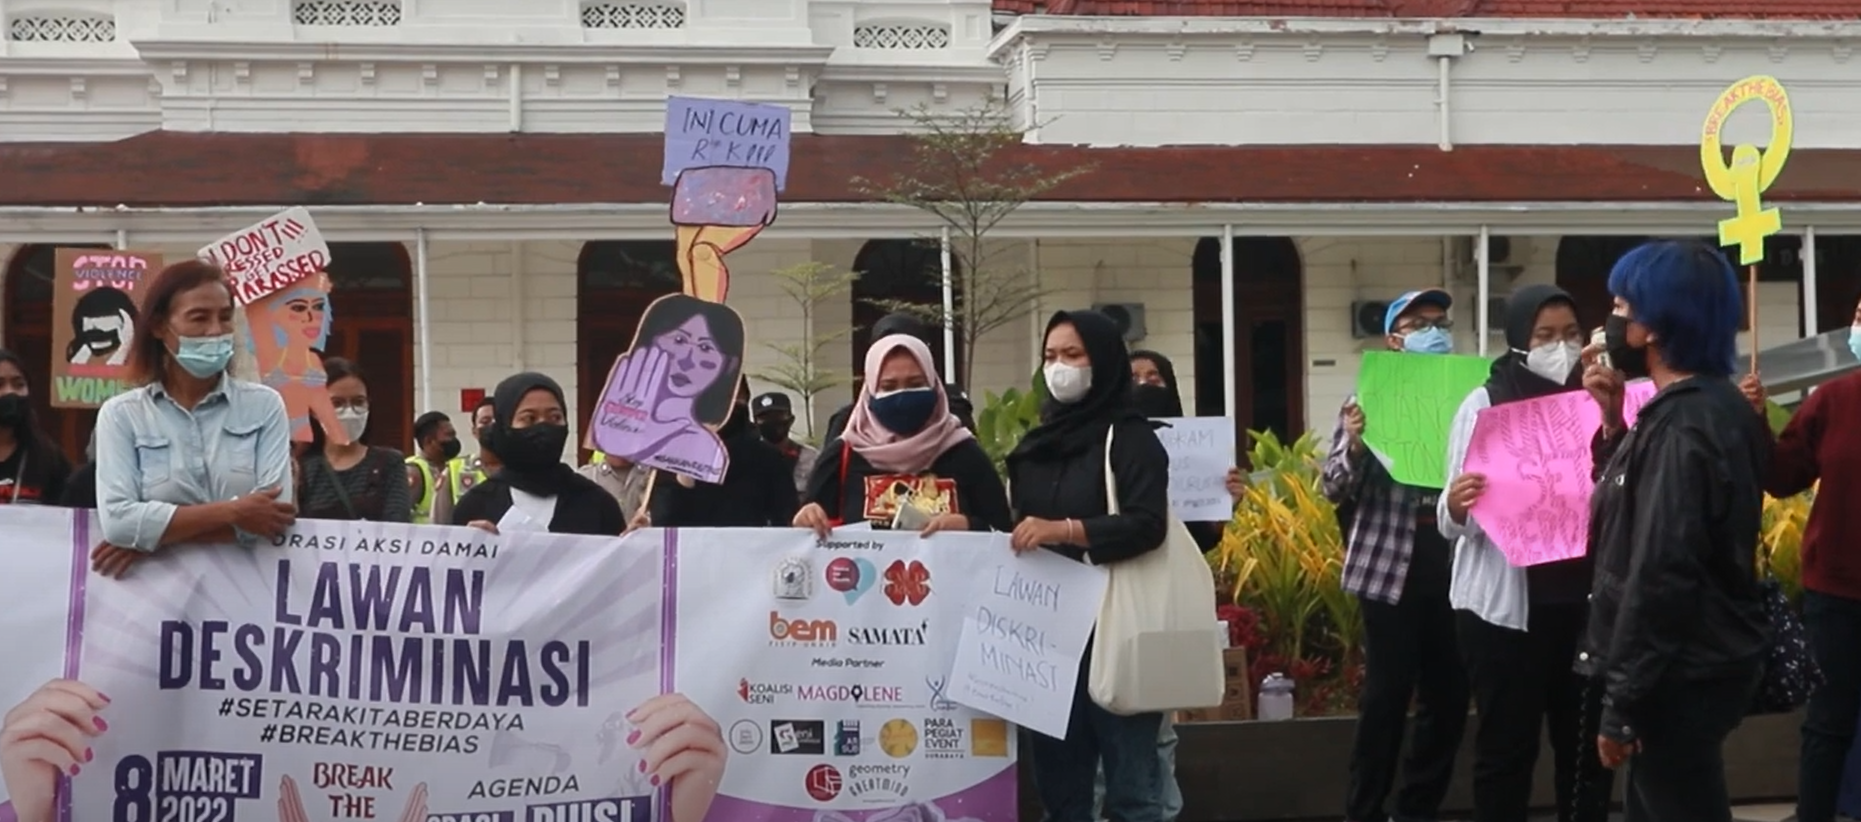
x: 655, y: 781
x: 104, y: 697
x: 89, y: 754
x: 633, y: 737
x: 101, y: 725
x: 642, y: 766
x: 74, y: 770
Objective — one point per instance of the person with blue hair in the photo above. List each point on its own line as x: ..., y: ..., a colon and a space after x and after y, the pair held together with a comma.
x: 1677, y: 629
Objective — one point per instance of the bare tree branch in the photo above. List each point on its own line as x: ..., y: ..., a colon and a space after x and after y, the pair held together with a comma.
x: 798, y: 366
x: 967, y: 169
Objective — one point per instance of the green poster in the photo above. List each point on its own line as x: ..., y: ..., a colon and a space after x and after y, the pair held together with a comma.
x: 1408, y: 404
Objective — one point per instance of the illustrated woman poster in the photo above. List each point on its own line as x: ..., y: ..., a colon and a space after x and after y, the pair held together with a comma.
x: 286, y: 334
x: 96, y: 294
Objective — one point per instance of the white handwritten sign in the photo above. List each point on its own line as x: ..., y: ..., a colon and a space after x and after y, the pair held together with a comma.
x: 1201, y: 452
x: 265, y: 257
x: 1024, y: 635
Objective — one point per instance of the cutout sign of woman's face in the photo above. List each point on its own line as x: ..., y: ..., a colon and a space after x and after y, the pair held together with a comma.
x: 696, y: 361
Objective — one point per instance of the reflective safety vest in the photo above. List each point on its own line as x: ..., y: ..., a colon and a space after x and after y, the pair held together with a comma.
x: 457, y: 477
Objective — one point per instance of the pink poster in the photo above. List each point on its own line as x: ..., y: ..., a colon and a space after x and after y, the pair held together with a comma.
x: 1536, y: 458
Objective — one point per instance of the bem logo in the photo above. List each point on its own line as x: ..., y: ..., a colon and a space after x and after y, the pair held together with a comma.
x: 803, y: 631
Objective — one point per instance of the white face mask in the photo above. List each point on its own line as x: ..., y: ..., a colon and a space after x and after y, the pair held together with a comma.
x: 1554, y: 361
x: 1067, y: 383
x: 354, y: 422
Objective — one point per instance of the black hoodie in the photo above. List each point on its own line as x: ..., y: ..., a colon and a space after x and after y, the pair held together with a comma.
x: 757, y: 492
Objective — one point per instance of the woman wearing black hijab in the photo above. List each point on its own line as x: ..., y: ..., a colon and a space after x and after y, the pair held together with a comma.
x: 534, y: 490
x: 757, y: 492
x: 1057, y: 488
x: 32, y: 468
x: 1519, y: 627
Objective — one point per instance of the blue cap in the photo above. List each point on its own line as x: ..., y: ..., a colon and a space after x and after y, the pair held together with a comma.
x: 1426, y: 296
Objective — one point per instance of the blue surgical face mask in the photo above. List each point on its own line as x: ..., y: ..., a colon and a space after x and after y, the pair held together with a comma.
x: 1429, y: 341
x: 904, y: 412
x: 1854, y: 340
x: 204, y: 357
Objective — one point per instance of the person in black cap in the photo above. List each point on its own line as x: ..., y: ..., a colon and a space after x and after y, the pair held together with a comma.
x: 775, y: 418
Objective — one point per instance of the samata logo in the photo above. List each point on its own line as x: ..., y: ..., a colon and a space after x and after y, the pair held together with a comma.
x: 762, y: 693
x: 784, y: 631
x: 822, y: 783
x: 907, y: 582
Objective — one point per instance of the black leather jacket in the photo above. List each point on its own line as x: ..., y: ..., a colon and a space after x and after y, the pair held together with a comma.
x: 1674, y: 532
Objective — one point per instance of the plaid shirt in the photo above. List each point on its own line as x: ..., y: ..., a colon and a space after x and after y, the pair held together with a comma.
x: 1382, y: 531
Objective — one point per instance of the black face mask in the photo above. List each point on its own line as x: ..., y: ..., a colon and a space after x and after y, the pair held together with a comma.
x: 1631, y: 361
x: 13, y: 410
x: 448, y: 450
x: 99, y: 339
x: 536, y: 447
x: 775, y: 431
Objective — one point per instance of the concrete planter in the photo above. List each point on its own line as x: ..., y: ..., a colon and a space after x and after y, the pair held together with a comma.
x: 1296, y: 770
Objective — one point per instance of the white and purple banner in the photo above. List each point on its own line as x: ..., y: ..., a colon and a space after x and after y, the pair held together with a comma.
x: 426, y: 674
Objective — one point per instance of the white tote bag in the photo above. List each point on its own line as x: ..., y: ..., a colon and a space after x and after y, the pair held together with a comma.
x: 1158, y: 645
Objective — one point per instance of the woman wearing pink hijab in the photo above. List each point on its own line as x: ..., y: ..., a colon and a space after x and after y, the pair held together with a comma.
x: 904, y: 461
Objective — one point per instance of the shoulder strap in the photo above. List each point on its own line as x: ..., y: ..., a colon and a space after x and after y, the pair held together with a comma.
x: 342, y: 494
x: 846, y: 456
x: 1111, y: 481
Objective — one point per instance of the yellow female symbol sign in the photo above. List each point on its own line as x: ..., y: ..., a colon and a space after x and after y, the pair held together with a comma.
x: 1751, y: 170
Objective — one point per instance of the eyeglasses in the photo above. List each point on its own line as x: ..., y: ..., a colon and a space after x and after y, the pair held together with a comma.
x: 1411, y: 326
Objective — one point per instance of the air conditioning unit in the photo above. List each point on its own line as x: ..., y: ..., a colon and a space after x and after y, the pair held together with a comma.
x: 1367, y: 318
x: 1128, y: 316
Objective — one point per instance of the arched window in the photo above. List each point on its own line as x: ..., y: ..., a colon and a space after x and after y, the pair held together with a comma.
x: 1267, y: 362
x: 615, y: 281
x: 894, y: 274
x: 371, y: 297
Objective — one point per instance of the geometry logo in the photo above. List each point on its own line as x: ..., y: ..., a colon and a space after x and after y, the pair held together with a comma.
x: 851, y: 577
x: 823, y: 783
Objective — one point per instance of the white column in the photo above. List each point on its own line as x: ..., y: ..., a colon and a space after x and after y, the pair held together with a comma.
x: 1486, y: 286
x: 1811, y: 303
x: 1230, y: 391
x: 949, y: 308
x: 423, y: 316
x: 122, y: 238
x: 517, y: 308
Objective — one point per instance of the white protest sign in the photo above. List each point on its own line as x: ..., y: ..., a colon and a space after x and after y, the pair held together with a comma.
x: 1024, y: 634
x: 1201, y: 452
x: 266, y: 256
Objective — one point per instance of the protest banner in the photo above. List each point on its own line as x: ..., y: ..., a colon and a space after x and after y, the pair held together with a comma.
x: 356, y: 670
x: 96, y: 301
x: 666, y: 397
x: 1024, y: 635
x: 1408, y: 402
x: 287, y: 332
x: 1201, y: 451
x: 828, y: 664
x: 725, y: 160
x: 1742, y: 181
x: 1535, y: 455
x: 269, y: 255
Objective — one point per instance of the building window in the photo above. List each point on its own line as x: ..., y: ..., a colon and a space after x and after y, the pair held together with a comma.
x: 633, y: 16
x: 630, y: 265
x: 346, y: 12
x: 910, y: 35
x: 62, y: 28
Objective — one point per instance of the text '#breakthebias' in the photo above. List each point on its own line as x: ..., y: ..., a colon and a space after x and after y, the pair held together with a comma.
x: 369, y: 727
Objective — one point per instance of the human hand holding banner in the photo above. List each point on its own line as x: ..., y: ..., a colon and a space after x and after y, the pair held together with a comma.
x: 364, y: 670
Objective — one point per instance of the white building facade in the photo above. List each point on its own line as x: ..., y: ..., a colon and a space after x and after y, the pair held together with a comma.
x: 488, y: 170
